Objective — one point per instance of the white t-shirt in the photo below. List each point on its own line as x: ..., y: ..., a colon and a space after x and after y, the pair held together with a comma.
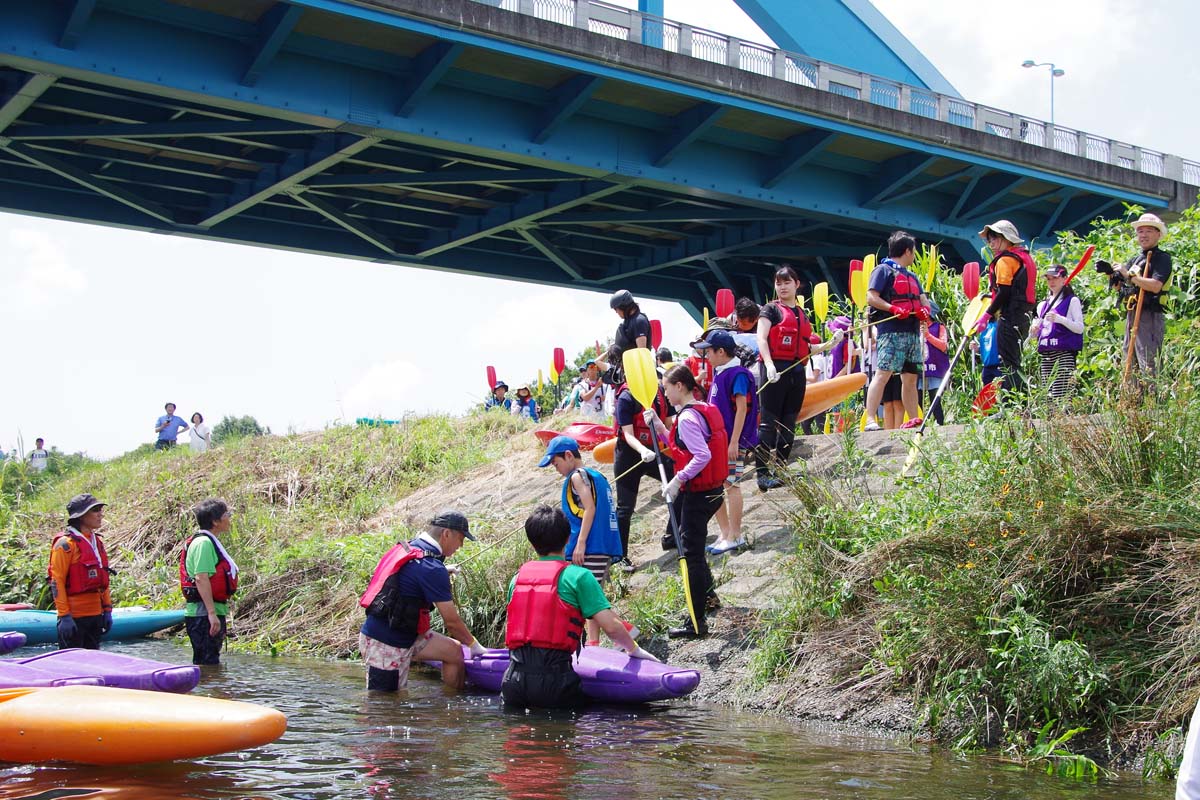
x: 817, y: 368
x: 593, y: 407
x: 200, y: 437
x: 38, y: 460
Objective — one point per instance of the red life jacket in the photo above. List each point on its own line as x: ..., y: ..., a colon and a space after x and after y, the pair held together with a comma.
x: 788, y: 339
x: 88, y: 573
x: 905, y: 291
x: 1024, y: 279
x: 640, y: 429
x: 717, y: 469
x: 382, y: 600
x: 223, y: 582
x: 537, y: 616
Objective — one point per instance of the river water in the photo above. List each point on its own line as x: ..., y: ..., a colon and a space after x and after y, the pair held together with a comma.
x: 425, y: 743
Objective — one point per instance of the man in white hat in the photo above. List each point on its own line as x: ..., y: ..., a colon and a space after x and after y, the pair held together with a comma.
x: 1012, y: 280
x: 1147, y: 275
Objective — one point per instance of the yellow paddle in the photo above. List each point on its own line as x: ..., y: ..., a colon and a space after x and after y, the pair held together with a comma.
x: 820, y: 298
x: 643, y: 383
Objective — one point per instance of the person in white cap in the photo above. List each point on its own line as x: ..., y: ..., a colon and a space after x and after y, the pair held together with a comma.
x: 1148, y: 275
x: 1012, y: 280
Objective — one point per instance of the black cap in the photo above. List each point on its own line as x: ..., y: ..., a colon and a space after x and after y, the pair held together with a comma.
x: 454, y: 520
x: 81, y: 504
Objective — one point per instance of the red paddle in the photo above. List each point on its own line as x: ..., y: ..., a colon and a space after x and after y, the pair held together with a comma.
x: 560, y: 360
x: 724, y: 302
x: 655, y: 333
x: 970, y: 279
x: 491, y: 373
x: 984, y: 400
x: 1087, y: 256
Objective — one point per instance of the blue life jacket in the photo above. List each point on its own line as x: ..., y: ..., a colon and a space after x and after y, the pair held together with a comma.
x: 605, y: 537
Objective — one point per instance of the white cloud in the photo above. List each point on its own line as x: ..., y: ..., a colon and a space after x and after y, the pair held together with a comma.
x: 43, y: 270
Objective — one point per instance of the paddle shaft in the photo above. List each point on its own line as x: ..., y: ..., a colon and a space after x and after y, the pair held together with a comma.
x: 1137, y: 321
x: 683, y: 570
x: 914, y: 445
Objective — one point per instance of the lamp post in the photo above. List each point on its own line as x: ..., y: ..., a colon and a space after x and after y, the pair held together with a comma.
x: 1055, y: 72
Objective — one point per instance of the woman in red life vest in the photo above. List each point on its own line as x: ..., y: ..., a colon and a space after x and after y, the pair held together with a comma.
x: 699, y: 448
x: 78, y: 576
x: 1012, y: 280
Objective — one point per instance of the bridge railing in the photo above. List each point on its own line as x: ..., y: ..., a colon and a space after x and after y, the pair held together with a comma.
x: 634, y: 26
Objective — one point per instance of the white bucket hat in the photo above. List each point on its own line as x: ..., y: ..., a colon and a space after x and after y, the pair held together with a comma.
x: 1005, y: 229
x: 1150, y: 221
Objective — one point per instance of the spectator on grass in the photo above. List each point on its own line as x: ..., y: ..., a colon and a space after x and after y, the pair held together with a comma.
x: 168, y: 427
x: 38, y: 458
x: 498, y: 398
x: 200, y: 433
x: 591, y: 391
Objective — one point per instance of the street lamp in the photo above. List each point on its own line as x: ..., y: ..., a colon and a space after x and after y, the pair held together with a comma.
x: 1055, y: 72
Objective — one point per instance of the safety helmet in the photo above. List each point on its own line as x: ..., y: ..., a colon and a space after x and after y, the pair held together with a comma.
x: 622, y: 298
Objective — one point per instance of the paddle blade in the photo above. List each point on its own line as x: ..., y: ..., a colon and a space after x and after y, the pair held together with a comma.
x: 869, y: 264
x: 656, y: 332
x: 931, y: 269
x: 1087, y: 256
x: 858, y: 288
x: 539, y: 381
x: 855, y: 265
x: 491, y: 375
x: 724, y: 302
x: 972, y: 314
x: 553, y: 374
x: 640, y: 375
x: 820, y: 298
x: 704, y: 324
x: 560, y: 360
x: 970, y: 280
x: 985, y: 400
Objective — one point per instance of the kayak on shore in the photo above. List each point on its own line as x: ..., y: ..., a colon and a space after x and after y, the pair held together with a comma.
x: 41, y: 627
x: 11, y: 640
x: 62, y: 667
x: 587, y: 434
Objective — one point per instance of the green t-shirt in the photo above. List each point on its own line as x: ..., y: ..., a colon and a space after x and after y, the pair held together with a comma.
x: 577, y: 587
x: 202, y: 560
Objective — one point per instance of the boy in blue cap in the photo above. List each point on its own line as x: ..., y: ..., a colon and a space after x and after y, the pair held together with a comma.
x: 587, y: 503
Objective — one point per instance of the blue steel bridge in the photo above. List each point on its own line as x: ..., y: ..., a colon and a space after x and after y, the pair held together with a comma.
x: 561, y: 142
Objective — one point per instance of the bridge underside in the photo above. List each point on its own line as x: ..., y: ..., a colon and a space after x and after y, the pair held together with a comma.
x: 353, y: 130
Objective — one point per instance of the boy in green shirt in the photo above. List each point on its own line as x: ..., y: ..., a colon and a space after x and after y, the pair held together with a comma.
x: 208, y: 578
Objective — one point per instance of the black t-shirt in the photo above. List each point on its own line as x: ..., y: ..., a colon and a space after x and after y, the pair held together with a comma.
x: 630, y: 329
x: 1160, y: 270
x: 774, y: 315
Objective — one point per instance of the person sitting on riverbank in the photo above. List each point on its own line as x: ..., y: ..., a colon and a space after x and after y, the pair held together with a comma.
x: 497, y: 398
x: 208, y: 578
x: 544, y: 627
x: 409, y: 582
x: 524, y: 404
x: 587, y: 503
x: 79, y: 576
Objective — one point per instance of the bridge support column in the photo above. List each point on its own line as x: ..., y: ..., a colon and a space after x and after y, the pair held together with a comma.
x: 652, y: 32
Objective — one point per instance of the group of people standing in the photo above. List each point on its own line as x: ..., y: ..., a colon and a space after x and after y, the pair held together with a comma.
x: 169, y: 426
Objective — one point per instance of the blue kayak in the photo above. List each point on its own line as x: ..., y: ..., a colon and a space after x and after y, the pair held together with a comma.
x: 41, y: 627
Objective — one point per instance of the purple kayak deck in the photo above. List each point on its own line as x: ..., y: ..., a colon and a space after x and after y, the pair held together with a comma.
x: 607, y: 675
x: 15, y: 675
x: 112, y: 669
x: 11, y: 641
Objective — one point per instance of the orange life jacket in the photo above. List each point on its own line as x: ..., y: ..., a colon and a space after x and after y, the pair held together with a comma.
x: 1024, y: 285
x: 88, y: 573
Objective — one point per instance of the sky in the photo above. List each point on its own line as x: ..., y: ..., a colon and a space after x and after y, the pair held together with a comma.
x: 104, y: 326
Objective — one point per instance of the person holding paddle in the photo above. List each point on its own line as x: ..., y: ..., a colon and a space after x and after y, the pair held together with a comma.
x: 635, y: 444
x: 1141, y: 283
x: 1059, y: 334
x: 1012, y: 280
x: 699, y: 446
x: 898, y: 309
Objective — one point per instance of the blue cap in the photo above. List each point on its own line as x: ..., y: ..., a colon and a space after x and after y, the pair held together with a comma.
x: 721, y: 339
x: 557, y: 446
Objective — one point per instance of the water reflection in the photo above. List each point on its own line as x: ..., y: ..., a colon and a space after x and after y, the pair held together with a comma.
x: 343, y: 743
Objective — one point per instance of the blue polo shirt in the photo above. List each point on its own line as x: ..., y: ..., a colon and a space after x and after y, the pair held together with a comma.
x: 426, y: 579
x: 174, y: 426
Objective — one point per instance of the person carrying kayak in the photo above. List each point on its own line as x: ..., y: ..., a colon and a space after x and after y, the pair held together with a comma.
x: 498, y: 398
x: 1012, y: 281
x: 208, y: 577
x: 635, y: 443
x: 545, y: 625
x: 1059, y: 334
x: 79, y: 576
x: 587, y: 503
x: 894, y: 290
x: 700, y: 450
x: 523, y: 405
x: 734, y: 393
x: 785, y: 339
x: 410, y: 581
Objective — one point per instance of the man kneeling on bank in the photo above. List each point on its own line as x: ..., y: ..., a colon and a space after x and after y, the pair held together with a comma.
x: 409, y: 582
x: 549, y: 599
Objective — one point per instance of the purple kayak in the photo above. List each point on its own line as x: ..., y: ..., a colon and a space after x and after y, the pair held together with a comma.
x: 15, y: 675
x: 11, y: 641
x: 607, y: 675
x: 110, y: 669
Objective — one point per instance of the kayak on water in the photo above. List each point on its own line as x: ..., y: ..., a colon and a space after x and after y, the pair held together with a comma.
x: 608, y: 676
x: 15, y: 606
x: 10, y: 641
x: 41, y: 627
x: 113, y: 669
x: 103, y: 725
x: 14, y: 675
x: 588, y: 434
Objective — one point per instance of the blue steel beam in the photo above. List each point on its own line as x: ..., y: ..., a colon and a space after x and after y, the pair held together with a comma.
x: 797, y: 151
x: 547, y: 248
x: 989, y: 189
x: 527, y: 210
x: 16, y: 100
x: 87, y: 180
x: 164, y: 130
x: 426, y: 70
x: 893, y: 174
x: 76, y: 24
x: 274, y: 27
x: 687, y: 127
x: 1022, y: 203
x: 673, y: 213
x: 1085, y: 209
x: 951, y: 177
x: 334, y: 215
x: 442, y: 177
x: 330, y: 149
x: 567, y: 98
x: 1052, y: 220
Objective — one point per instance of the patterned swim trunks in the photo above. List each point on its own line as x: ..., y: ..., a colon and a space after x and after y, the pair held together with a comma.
x: 383, y: 656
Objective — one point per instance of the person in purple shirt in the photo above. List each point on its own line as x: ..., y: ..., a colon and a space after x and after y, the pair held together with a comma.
x: 168, y: 427
x: 698, y: 447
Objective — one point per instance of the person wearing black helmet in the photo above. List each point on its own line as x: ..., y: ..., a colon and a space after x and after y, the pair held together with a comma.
x: 634, y: 330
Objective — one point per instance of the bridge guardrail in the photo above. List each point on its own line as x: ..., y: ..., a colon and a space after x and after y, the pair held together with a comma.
x: 677, y: 37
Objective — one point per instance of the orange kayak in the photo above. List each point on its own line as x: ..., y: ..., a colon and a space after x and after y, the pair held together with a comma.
x: 103, y: 725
